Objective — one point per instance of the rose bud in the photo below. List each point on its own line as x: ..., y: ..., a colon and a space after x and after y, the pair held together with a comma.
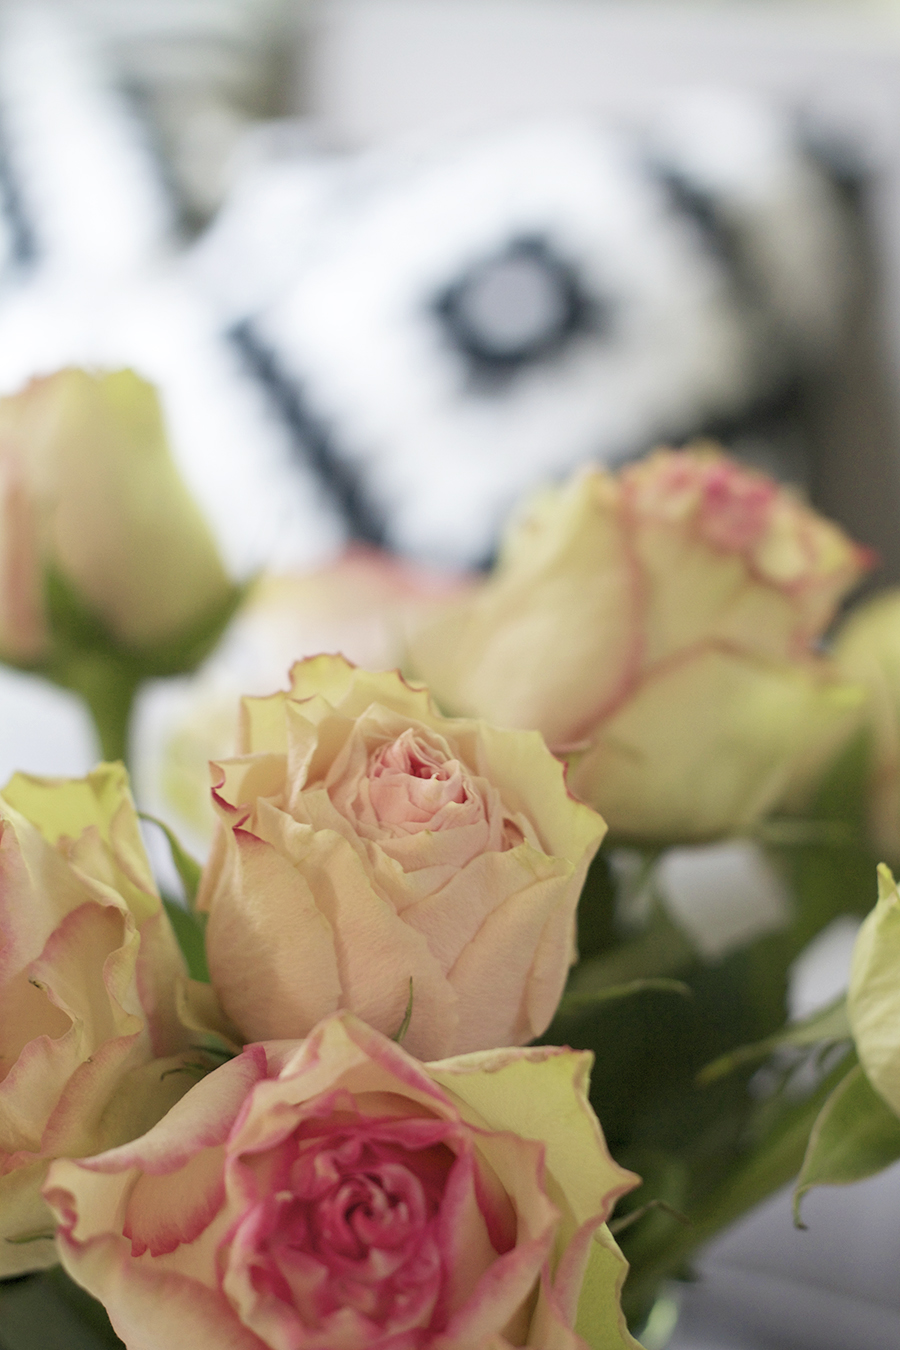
x: 658, y: 627
x: 91, y: 504
x: 368, y: 846
x: 336, y: 1193
x: 88, y: 973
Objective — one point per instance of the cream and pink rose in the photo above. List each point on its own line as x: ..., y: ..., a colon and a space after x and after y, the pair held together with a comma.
x: 88, y: 973
x: 659, y: 628
x: 335, y: 1194
x: 366, y: 841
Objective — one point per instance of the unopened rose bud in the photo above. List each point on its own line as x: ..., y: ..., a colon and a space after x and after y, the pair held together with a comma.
x: 91, y: 502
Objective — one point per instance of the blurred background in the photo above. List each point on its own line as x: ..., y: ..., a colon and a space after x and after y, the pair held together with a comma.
x: 393, y: 262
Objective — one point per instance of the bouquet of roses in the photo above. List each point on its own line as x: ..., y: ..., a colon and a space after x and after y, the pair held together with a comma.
x: 344, y: 1091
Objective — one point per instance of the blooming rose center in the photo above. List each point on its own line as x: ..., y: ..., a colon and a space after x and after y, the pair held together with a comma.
x: 419, y: 803
x: 411, y: 784
x: 348, y: 1242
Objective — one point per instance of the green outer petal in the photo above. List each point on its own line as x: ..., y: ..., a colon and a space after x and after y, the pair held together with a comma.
x: 600, y: 1321
x: 855, y: 1136
x: 873, y: 998
x: 67, y: 806
x: 542, y: 1094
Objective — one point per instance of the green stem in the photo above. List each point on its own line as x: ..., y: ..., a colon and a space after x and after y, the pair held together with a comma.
x: 110, y: 703
x: 108, y: 688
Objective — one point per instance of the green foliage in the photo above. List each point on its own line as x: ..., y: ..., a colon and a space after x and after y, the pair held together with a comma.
x: 189, y: 924
x: 659, y: 951
x: 855, y: 1135
x: 597, y: 909
x: 677, y: 1081
x: 768, y: 1156
x: 841, y: 793
x: 590, y: 998
x: 190, y: 930
x: 828, y: 1025
x: 407, y: 1017
x: 188, y: 869
x: 48, y: 1311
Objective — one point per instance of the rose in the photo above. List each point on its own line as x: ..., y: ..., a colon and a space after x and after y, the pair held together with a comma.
x: 867, y: 651
x: 336, y: 1193
x: 657, y: 628
x: 88, y: 975
x: 92, y: 506
x: 360, y: 605
x: 368, y: 845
